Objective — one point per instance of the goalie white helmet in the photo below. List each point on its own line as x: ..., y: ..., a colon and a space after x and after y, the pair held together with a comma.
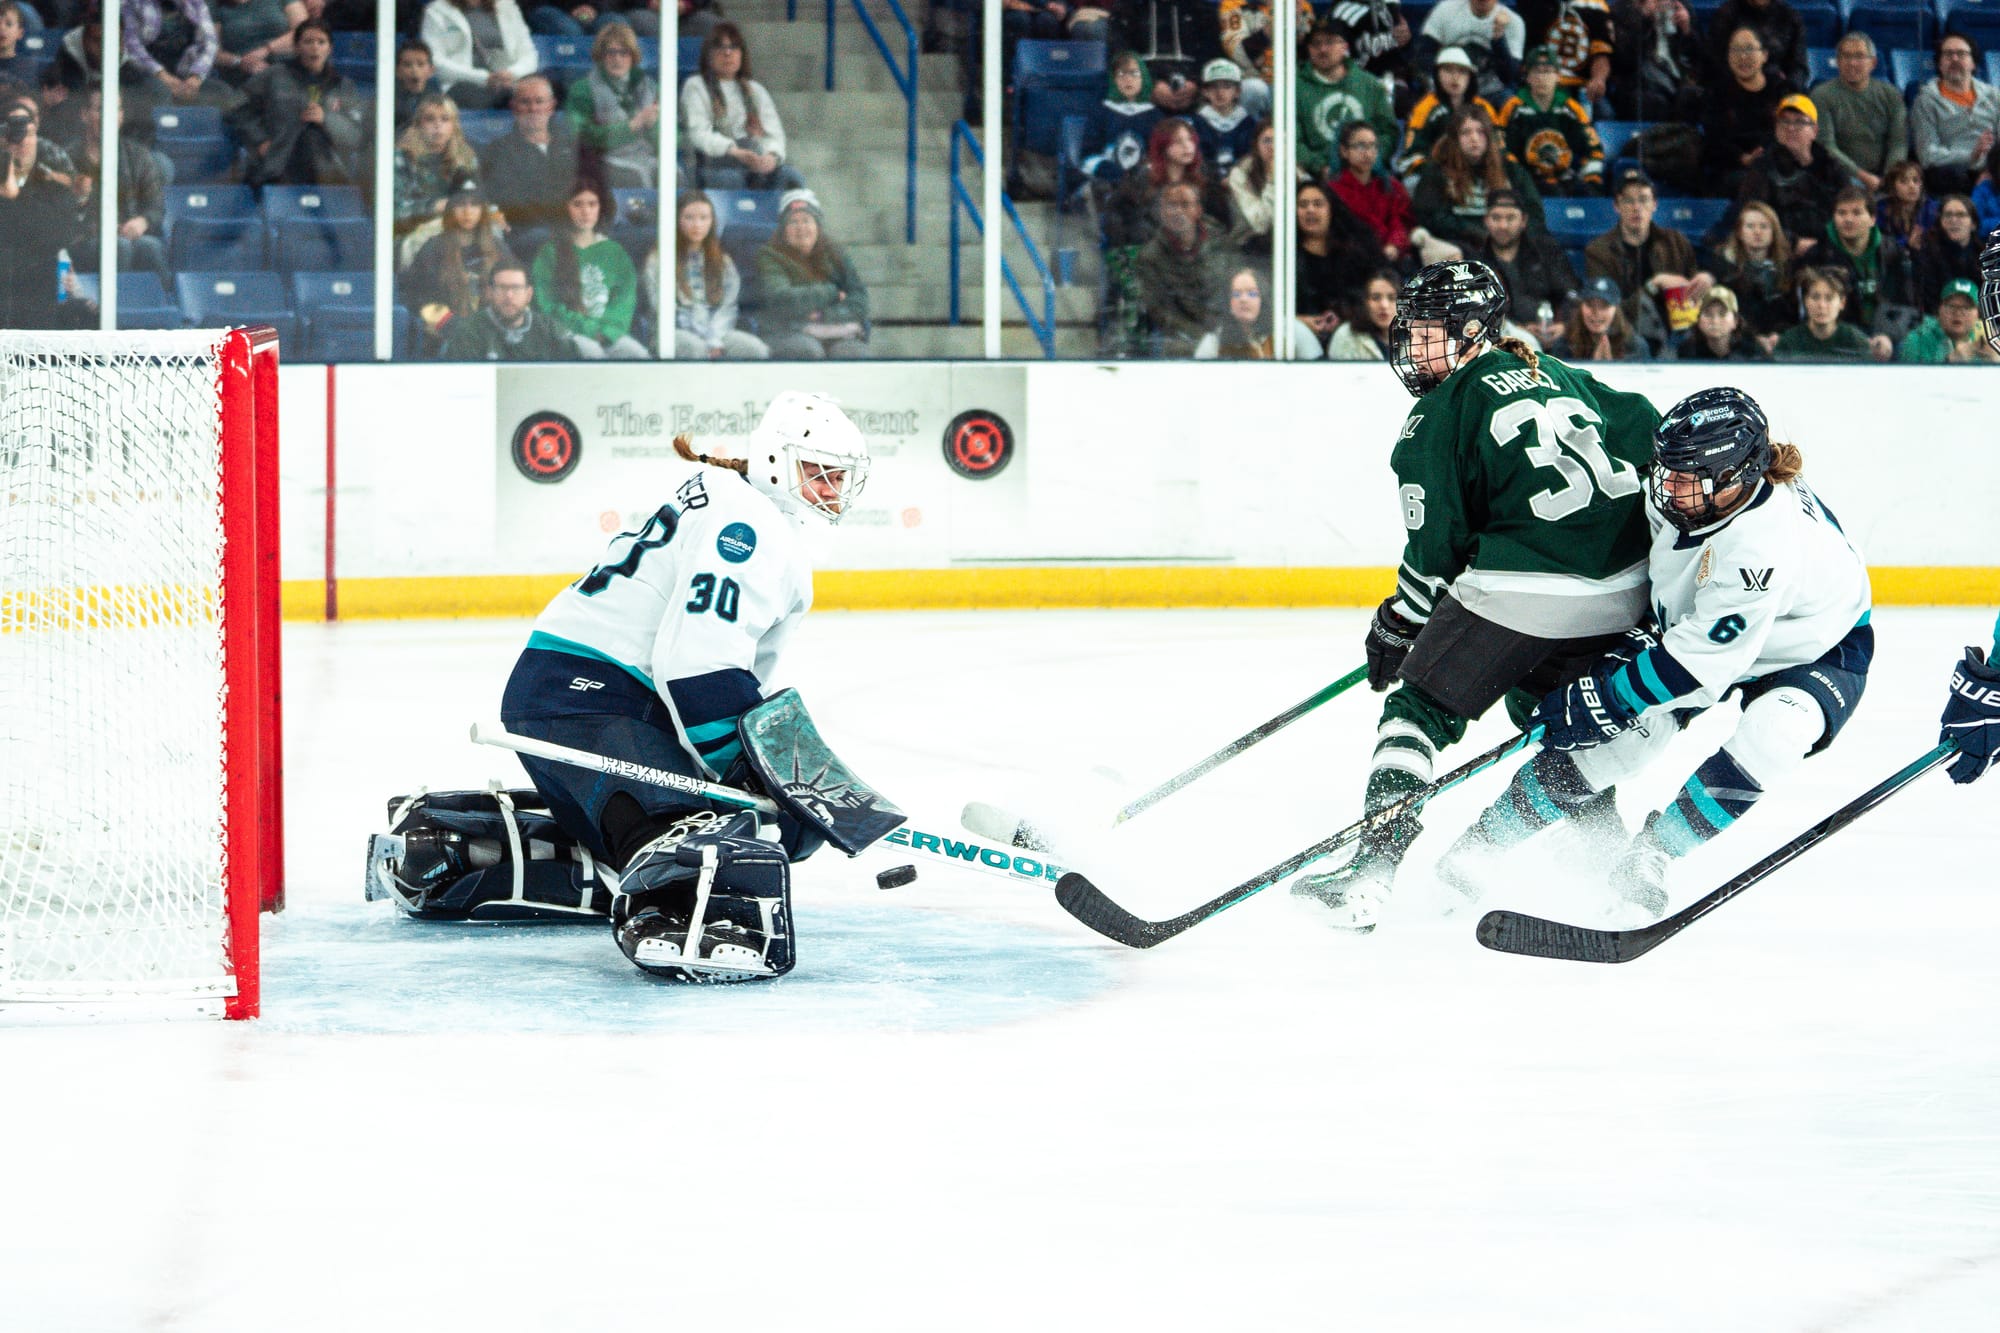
x: 807, y: 456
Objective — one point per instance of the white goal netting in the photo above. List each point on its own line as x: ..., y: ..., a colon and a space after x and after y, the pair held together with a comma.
x: 112, y: 848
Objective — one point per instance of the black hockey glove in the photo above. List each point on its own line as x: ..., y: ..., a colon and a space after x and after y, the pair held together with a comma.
x: 1388, y: 643
x: 1581, y: 714
x: 1628, y: 649
x: 1972, y: 716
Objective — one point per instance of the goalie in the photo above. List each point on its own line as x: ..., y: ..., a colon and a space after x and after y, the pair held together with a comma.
x: 658, y: 657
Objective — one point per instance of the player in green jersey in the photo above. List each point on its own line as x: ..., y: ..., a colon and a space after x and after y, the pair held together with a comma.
x: 1522, y: 485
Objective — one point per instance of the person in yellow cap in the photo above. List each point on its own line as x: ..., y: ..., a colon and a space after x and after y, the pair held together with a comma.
x: 1795, y: 175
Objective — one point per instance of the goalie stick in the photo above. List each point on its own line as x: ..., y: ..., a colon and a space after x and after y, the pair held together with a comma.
x: 622, y: 768
x: 990, y: 821
x: 1087, y: 903
x: 1517, y: 932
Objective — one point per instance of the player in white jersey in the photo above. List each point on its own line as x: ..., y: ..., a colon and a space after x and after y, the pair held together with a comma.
x: 653, y: 655
x: 1758, y: 594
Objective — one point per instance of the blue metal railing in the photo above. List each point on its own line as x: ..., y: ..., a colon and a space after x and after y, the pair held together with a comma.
x: 1044, y: 328
x: 906, y: 83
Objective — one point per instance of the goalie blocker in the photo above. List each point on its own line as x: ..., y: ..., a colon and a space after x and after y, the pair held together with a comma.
x: 706, y: 896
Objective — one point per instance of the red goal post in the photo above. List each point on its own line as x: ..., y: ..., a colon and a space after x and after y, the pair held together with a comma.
x: 141, y: 752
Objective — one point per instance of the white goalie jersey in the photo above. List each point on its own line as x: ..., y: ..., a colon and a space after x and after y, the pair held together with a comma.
x: 1775, y: 585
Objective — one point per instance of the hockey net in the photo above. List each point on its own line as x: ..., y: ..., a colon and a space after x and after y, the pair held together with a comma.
x: 139, y: 766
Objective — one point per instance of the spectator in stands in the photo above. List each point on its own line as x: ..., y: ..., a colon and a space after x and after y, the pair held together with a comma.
x: 254, y: 34
x: 169, y: 48
x: 1539, y: 279
x: 1718, y: 334
x: 141, y: 202
x: 731, y: 122
x: 1245, y: 331
x: 1371, y: 312
x: 507, y: 327
x: 1179, y: 37
x: 1381, y: 202
x: 1173, y: 157
x: 1882, y: 294
x: 813, y: 303
x: 1825, y: 336
x: 1548, y: 131
x: 432, y: 156
x: 1986, y: 195
x: 1225, y: 131
x: 1905, y: 212
x: 1597, y: 329
x: 1954, y: 119
x: 1253, y: 193
x: 707, y: 289
x: 1180, y: 277
x: 14, y: 64
x: 1379, y: 38
x: 1466, y: 166
x: 1949, y: 250
x: 1739, y: 112
x: 616, y: 109
x: 415, y: 76
x: 1579, y: 36
x: 1657, y: 60
x: 1951, y: 337
x: 1332, y: 90
x: 1863, y: 123
x: 1451, y: 92
x: 586, y: 283
x: 1335, y: 257
x: 1755, y: 263
x: 39, y: 215
x: 1794, y: 174
x: 304, y: 121
x: 1780, y: 32
x: 1491, y: 34
x: 448, y: 278
x: 1116, y: 140
x: 1654, y: 267
x: 1037, y: 20
x: 1246, y: 39
x: 529, y: 169
x: 480, y: 47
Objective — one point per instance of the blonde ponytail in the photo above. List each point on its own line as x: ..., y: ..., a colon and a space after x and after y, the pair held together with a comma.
x: 1787, y: 463
x: 1522, y: 350
x: 684, y: 446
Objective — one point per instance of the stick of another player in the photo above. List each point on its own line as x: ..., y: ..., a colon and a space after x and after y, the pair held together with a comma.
x: 990, y: 821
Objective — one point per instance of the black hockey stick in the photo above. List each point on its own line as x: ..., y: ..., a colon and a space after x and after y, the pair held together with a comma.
x: 1087, y: 903
x: 1516, y: 932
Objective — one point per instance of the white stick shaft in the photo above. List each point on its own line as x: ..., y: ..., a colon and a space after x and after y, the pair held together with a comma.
x: 658, y: 777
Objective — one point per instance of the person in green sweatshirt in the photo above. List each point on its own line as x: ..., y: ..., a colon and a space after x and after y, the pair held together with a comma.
x: 1952, y: 336
x: 1825, y: 336
x: 813, y: 303
x: 1332, y: 90
x: 585, y: 282
x: 616, y: 109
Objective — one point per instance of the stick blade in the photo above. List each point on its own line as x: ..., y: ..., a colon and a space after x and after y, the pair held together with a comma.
x: 1087, y: 903
x: 1536, y: 937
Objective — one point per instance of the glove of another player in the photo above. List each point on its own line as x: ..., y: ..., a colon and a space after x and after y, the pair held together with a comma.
x: 1972, y: 716
x: 1389, y: 640
x: 1581, y: 714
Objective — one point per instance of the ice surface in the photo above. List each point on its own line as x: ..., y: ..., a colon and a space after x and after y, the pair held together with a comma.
x: 965, y: 1112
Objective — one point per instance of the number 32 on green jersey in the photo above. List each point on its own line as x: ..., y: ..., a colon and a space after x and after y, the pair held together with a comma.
x: 1565, y: 424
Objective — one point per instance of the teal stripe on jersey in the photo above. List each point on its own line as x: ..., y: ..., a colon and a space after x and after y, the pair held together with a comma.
x: 555, y: 644
x: 709, y: 731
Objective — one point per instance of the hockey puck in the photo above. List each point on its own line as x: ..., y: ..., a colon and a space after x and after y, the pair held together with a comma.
x: 895, y: 877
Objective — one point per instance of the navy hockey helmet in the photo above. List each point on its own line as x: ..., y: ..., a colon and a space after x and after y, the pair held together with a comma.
x: 1989, y: 288
x: 1721, y: 438
x: 1466, y: 298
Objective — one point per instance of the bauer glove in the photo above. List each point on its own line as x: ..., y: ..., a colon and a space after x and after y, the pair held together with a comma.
x: 1388, y: 643
x: 1972, y: 716
x: 1581, y: 714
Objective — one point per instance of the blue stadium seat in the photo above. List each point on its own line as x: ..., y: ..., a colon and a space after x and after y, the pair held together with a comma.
x: 1909, y: 70
x: 1616, y: 134
x: 1053, y: 80
x: 303, y: 244
x: 214, y: 300
x: 340, y: 333
x: 359, y: 68
x: 1893, y: 23
x: 142, y: 302
x: 312, y: 201
x: 690, y: 58
x: 1060, y: 65
x: 635, y: 207
x: 1977, y: 19
x: 483, y: 127
x: 198, y: 161
x: 313, y: 293
x: 649, y: 55
x: 213, y: 227
x: 564, y: 57
x: 187, y: 122
x: 1579, y: 220
x: 358, y: 43
x: 1821, y: 64
x: 746, y: 212
x: 1692, y: 216
x: 207, y: 201
x: 1821, y: 21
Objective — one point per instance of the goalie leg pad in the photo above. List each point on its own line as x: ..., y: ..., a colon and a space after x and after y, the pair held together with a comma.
x: 494, y: 855
x: 707, y: 901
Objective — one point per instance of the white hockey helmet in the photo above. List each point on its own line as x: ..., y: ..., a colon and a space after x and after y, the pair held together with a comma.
x: 806, y: 437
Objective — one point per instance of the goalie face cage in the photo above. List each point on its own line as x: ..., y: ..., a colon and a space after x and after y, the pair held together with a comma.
x: 140, y: 765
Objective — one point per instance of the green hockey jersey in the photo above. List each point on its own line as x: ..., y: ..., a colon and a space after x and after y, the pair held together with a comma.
x: 1523, y: 492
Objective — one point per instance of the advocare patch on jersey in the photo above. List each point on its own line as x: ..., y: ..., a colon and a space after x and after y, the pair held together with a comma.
x: 737, y: 543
